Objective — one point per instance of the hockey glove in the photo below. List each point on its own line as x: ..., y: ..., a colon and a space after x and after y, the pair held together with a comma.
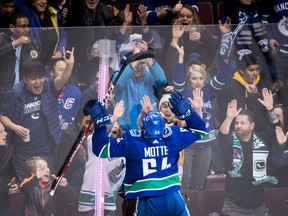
x: 99, y: 115
x: 179, y: 106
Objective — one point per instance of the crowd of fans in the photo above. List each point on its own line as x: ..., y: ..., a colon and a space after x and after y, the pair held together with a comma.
x: 51, y: 56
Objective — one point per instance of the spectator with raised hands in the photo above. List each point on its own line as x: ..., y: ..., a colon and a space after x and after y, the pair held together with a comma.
x: 192, y: 81
x: 30, y: 110
x: 187, y: 31
x: 277, y: 115
x: 113, y: 174
x: 142, y: 77
x: 280, y: 155
x: 245, y: 153
x: 129, y: 35
x: 253, y: 36
x: 163, y: 12
x: 246, y: 87
x: 37, y: 187
x: 69, y: 99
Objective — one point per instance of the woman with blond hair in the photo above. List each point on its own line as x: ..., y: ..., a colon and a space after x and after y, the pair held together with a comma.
x: 188, y: 31
x: 197, y: 157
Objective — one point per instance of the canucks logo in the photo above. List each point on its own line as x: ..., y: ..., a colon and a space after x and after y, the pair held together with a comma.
x: 283, y: 26
x: 259, y: 165
x: 243, y: 52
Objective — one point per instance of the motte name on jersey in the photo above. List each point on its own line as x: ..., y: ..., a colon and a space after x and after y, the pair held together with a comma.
x: 155, y: 151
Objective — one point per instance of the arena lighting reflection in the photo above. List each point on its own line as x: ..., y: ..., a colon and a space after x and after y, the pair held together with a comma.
x: 106, y: 50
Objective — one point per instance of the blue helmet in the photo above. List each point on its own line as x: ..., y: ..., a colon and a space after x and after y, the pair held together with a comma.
x: 153, y: 124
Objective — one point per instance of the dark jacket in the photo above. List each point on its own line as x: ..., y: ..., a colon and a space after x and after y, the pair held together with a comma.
x: 79, y: 15
x: 234, y: 90
x: 6, y: 171
x: 75, y: 17
x: 13, y: 104
x: 40, y: 202
x: 36, y: 24
x: 8, y: 61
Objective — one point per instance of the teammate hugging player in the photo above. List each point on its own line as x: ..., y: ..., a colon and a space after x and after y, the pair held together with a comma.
x: 151, y: 155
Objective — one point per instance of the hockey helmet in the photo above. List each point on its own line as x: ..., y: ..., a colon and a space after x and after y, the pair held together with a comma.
x: 153, y: 124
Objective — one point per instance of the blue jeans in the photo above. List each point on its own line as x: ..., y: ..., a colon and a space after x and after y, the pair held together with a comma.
x: 195, y: 167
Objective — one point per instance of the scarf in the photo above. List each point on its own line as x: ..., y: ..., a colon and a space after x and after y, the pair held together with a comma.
x: 259, y: 154
x: 240, y: 79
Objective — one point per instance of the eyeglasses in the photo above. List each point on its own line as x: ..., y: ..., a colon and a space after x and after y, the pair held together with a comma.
x: 188, y: 16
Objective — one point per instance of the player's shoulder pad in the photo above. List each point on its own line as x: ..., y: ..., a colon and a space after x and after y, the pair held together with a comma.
x: 167, y: 132
x: 135, y: 133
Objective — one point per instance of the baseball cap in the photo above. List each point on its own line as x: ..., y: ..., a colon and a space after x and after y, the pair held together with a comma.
x: 33, y: 67
x: 246, y: 60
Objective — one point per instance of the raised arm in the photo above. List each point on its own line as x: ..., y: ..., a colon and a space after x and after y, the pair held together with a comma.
x: 178, y: 70
x: 118, y: 111
x: 279, y: 155
x: 231, y: 113
x: 100, y: 137
x: 128, y: 20
x: 267, y: 102
x: 197, y: 101
x: 146, y: 108
x: 62, y: 80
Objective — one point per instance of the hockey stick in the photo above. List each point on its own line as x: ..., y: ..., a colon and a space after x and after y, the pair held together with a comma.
x: 83, y: 134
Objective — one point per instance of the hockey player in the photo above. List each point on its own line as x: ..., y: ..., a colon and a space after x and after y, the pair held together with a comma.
x: 151, y: 156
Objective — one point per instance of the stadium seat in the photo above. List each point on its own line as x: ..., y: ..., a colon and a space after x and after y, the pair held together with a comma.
x: 192, y: 200
x: 212, y: 201
x: 17, y: 204
x: 215, y: 182
x: 276, y: 200
x: 206, y: 13
x: 219, y: 10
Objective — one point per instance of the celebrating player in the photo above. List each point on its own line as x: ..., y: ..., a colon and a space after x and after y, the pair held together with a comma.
x: 151, y: 155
